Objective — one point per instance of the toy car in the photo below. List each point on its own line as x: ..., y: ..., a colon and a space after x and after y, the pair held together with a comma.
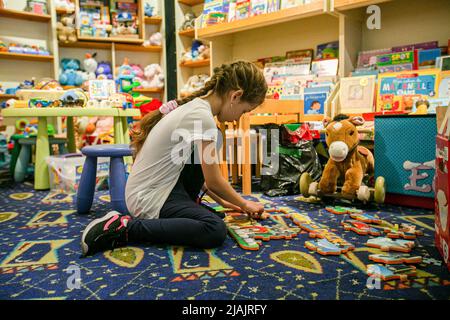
x: 365, y: 193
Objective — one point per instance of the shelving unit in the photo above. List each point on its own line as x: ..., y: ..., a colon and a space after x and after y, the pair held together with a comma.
x: 22, y: 15
x: 352, y: 4
x: 23, y: 56
x: 184, y: 41
x: 153, y: 20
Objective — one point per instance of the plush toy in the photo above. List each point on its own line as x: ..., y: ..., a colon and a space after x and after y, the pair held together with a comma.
x: 90, y: 66
x: 153, y: 76
x: 348, y: 161
x: 189, y: 21
x: 104, y: 71
x: 198, y: 51
x: 154, y: 40
x: 194, y: 83
x: 70, y: 74
x: 64, y: 4
x: 3, y: 47
x: 125, y: 24
x: 66, y: 29
x: 148, y: 10
x: 203, y: 52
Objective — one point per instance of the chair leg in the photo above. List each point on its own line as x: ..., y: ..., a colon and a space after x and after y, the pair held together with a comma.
x: 86, y: 188
x: 20, y: 170
x: 117, y: 181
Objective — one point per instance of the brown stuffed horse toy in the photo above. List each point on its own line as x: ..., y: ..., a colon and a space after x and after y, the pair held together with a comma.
x: 347, y: 160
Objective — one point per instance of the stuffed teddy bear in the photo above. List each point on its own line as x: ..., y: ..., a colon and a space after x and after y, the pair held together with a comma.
x: 153, y: 76
x: 66, y: 29
x: 90, y: 66
x: 189, y: 21
x: 70, y: 74
x: 103, y: 71
x: 348, y: 161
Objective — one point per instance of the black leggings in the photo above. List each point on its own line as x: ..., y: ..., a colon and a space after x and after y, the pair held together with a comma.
x: 181, y: 220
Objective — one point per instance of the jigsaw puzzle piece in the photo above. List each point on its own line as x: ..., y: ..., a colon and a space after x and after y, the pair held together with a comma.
x: 395, y: 258
x: 406, y: 231
x: 391, y: 272
x: 388, y: 244
x: 360, y: 228
x: 325, y: 247
x: 366, y: 218
x: 343, y: 210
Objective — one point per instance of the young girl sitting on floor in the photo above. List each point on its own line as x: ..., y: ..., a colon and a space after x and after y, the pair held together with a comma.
x: 163, y: 186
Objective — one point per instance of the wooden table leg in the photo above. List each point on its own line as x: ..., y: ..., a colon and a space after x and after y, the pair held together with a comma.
x: 118, y: 134
x: 71, y: 145
x: 246, y: 165
x: 41, y: 179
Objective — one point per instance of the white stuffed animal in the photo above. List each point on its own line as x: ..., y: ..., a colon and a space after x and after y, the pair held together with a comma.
x: 154, y: 40
x: 154, y: 77
x: 194, y: 83
x: 90, y: 66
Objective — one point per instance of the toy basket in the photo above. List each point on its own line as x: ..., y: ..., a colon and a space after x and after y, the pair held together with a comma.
x: 65, y: 172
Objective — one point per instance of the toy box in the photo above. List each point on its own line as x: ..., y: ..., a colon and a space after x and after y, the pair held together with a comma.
x: 65, y: 172
x: 404, y: 156
x: 442, y: 223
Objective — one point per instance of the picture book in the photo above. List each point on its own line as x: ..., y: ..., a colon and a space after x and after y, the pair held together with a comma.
x: 242, y: 9
x: 232, y: 11
x: 325, y: 67
x: 396, y: 58
x: 369, y: 58
x: 396, y: 91
x: 425, y: 105
x: 328, y: 50
x: 426, y: 58
x: 297, y: 68
x: 443, y: 63
x: 272, y: 70
x: 286, y: 4
x: 273, y: 5
x: 305, y: 53
x: 258, y: 7
x: 418, y: 46
x: 101, y: 89
x: 365, y: 72
x: 444, y: 85
x: 357, y: 94
x: 314, y: 102
x: 396, y: 68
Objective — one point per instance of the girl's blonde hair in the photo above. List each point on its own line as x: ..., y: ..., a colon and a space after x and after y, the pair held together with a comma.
x: 239, y: 75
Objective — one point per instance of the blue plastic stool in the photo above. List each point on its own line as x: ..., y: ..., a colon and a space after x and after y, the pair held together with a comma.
x: 117, y: 176
x: 21, y: 169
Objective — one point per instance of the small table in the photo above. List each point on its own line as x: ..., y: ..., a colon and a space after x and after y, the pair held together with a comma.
x: 41, y: 178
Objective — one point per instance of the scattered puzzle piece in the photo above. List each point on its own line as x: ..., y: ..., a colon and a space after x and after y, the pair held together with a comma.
x: 366, y: 218
x: 387, y: 244
x: 360, y: 228
x: 406, y: 231
x: 246, y: 231
x: 391, y: 272
x: 343, y: 210
x: 325, y: 247
x: 395, y: 258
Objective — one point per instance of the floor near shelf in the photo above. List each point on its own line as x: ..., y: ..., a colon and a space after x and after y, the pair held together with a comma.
x: 40, y: 259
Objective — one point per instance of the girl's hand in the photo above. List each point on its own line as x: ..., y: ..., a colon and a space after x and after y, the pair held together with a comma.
x: 254, y: 210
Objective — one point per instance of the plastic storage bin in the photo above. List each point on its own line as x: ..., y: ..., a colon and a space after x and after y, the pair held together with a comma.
x: 65, y: 172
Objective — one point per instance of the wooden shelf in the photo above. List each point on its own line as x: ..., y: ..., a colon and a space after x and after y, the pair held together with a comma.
x: 352, y: 4
x: 153, y: 20
x: 131, y: 47
x: 263, y: 20
x: 196, y: 64
x: 23, y: 56
x: 85, y: 44
x: 187, y: 33
x: 191, y: 2
x: 111, y: 40
x: 15, y: 14
x: 149, y: 90
x: 4, y: 96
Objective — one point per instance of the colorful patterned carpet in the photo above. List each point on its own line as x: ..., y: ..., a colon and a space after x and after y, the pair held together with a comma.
x: 40, y: 258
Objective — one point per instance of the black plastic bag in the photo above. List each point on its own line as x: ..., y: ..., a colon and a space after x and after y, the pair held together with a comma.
x: 296, y: 155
